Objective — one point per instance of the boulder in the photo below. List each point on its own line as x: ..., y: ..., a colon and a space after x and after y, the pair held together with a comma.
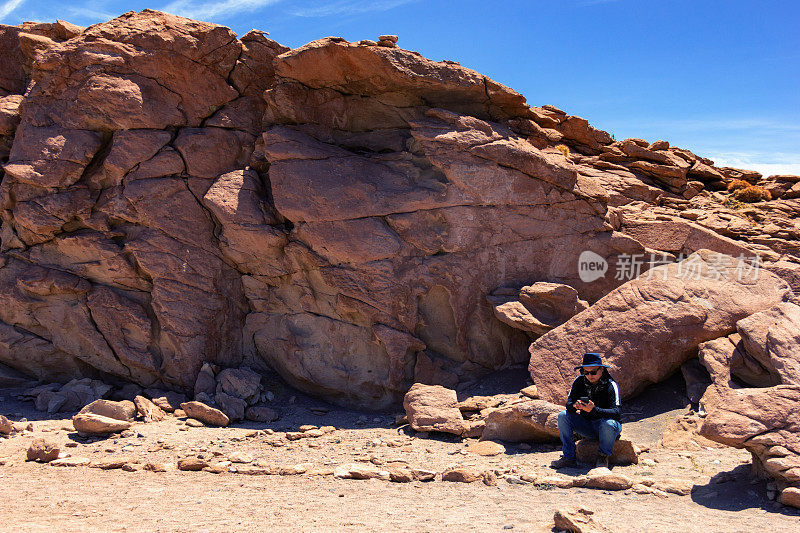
x: 205, y: 414
x: 486, y: 448
x: 790, y: 496
x: 6, y: 426
x: 726, y: 357
x: 51, y: 156
x: 261, y: 413
x: 433, y: 408
x: 72, y: 396
x: 93, y: 424
x: 516, y: 315
x: 401, y: 475
x: 772, y: 337
x: 679, y: 236
x: 149, y: 411
x: 166, y: 400
x: 361, y: 471
x: 192, y: 464
x: 527, y: 420
x: 124, y: 410
x: 761, y: 420
x: 241, y: 383
x: 577, y: 520
x: 43, y: 451
x: 206, y: 382
x: 422, y: 474
x: 648, y: 327
x: 461, y: 475
x: 552, y: 303
x: 240, y: 457
x: 624, y: 452
x: 603, y: 478
x: 233, y: 407
x: 540, y: 307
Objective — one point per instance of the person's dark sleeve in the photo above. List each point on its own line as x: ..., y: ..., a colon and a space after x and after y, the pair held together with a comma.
x: 572, y: 398
x: 613, y: 411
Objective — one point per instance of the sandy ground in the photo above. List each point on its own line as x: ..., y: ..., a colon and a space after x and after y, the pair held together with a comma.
x: 40, y: 497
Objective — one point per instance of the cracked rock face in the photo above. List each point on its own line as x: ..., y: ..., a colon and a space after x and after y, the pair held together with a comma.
x: 762, y: 419
x: 651, y: 325
x: 172, y: 195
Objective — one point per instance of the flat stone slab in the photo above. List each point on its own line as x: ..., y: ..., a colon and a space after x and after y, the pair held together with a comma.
x: 624, y: 452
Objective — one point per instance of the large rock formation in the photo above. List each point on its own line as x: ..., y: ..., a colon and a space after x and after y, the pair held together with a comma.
x: 172, y: 195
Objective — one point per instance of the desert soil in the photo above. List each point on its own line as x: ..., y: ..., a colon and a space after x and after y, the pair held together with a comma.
x: 36, y: 497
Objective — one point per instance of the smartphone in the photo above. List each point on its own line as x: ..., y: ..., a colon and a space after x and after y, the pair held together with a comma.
x: 584, y: 399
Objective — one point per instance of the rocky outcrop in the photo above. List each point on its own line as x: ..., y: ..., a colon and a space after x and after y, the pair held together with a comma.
x: 433, y: 408
x: 94, y: 424
x: 651, y: 325
x: 762, y: 418
x: 772, y: 338
x: 531, y: 420
x: 43, y: 451
x: 173, y: 195
x: 577, y: 520
x: 204, y: 413
x: 536, y: 308
x: 124, y: 410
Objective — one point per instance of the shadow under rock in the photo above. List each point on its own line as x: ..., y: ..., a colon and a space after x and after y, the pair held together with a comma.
x: 505, y: 381
x: 657, y: 399
x: 737, y: 490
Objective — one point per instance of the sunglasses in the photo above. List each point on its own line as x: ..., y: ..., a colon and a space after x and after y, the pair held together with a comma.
x: 593, y: 372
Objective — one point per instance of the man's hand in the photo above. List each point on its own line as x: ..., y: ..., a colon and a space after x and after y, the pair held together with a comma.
x: 587, y: 407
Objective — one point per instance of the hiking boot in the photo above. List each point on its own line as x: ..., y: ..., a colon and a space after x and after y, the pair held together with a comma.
x: 564, y: 462
x: 603, y: 461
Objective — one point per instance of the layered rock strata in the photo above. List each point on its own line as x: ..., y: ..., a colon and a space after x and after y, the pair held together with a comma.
x: 173, y: 195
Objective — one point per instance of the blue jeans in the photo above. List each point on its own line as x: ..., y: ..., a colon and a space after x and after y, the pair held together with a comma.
x: 604, y: 430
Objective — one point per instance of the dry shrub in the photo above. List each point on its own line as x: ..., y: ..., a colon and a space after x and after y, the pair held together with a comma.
x: 564, y: 149
x: 735, y: 185
x: 751, y: 194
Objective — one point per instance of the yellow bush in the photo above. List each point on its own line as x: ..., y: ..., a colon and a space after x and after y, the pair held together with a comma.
x: 564, y: 149
x: 735, y: 185
x: 751, y: 194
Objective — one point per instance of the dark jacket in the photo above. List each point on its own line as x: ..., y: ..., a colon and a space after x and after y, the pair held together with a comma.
x: 604, y: 394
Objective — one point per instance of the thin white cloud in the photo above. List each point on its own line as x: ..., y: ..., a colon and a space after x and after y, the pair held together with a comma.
x: 87, y: 14
x: 209, y: 9
x: 318, y: 8
x: 8, y: 7
x: 766, y: 163
x: 720, y: 125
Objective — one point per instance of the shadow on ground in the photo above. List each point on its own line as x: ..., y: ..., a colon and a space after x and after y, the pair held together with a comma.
x: 737, y: 490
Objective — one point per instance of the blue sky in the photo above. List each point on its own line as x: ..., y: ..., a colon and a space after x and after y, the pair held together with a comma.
x: 721, y: 78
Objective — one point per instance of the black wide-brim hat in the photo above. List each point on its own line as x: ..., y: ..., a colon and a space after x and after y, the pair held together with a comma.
x: 591, y: 359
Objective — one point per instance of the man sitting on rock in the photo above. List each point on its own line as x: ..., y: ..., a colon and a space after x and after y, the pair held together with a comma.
x: 593, y: 411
